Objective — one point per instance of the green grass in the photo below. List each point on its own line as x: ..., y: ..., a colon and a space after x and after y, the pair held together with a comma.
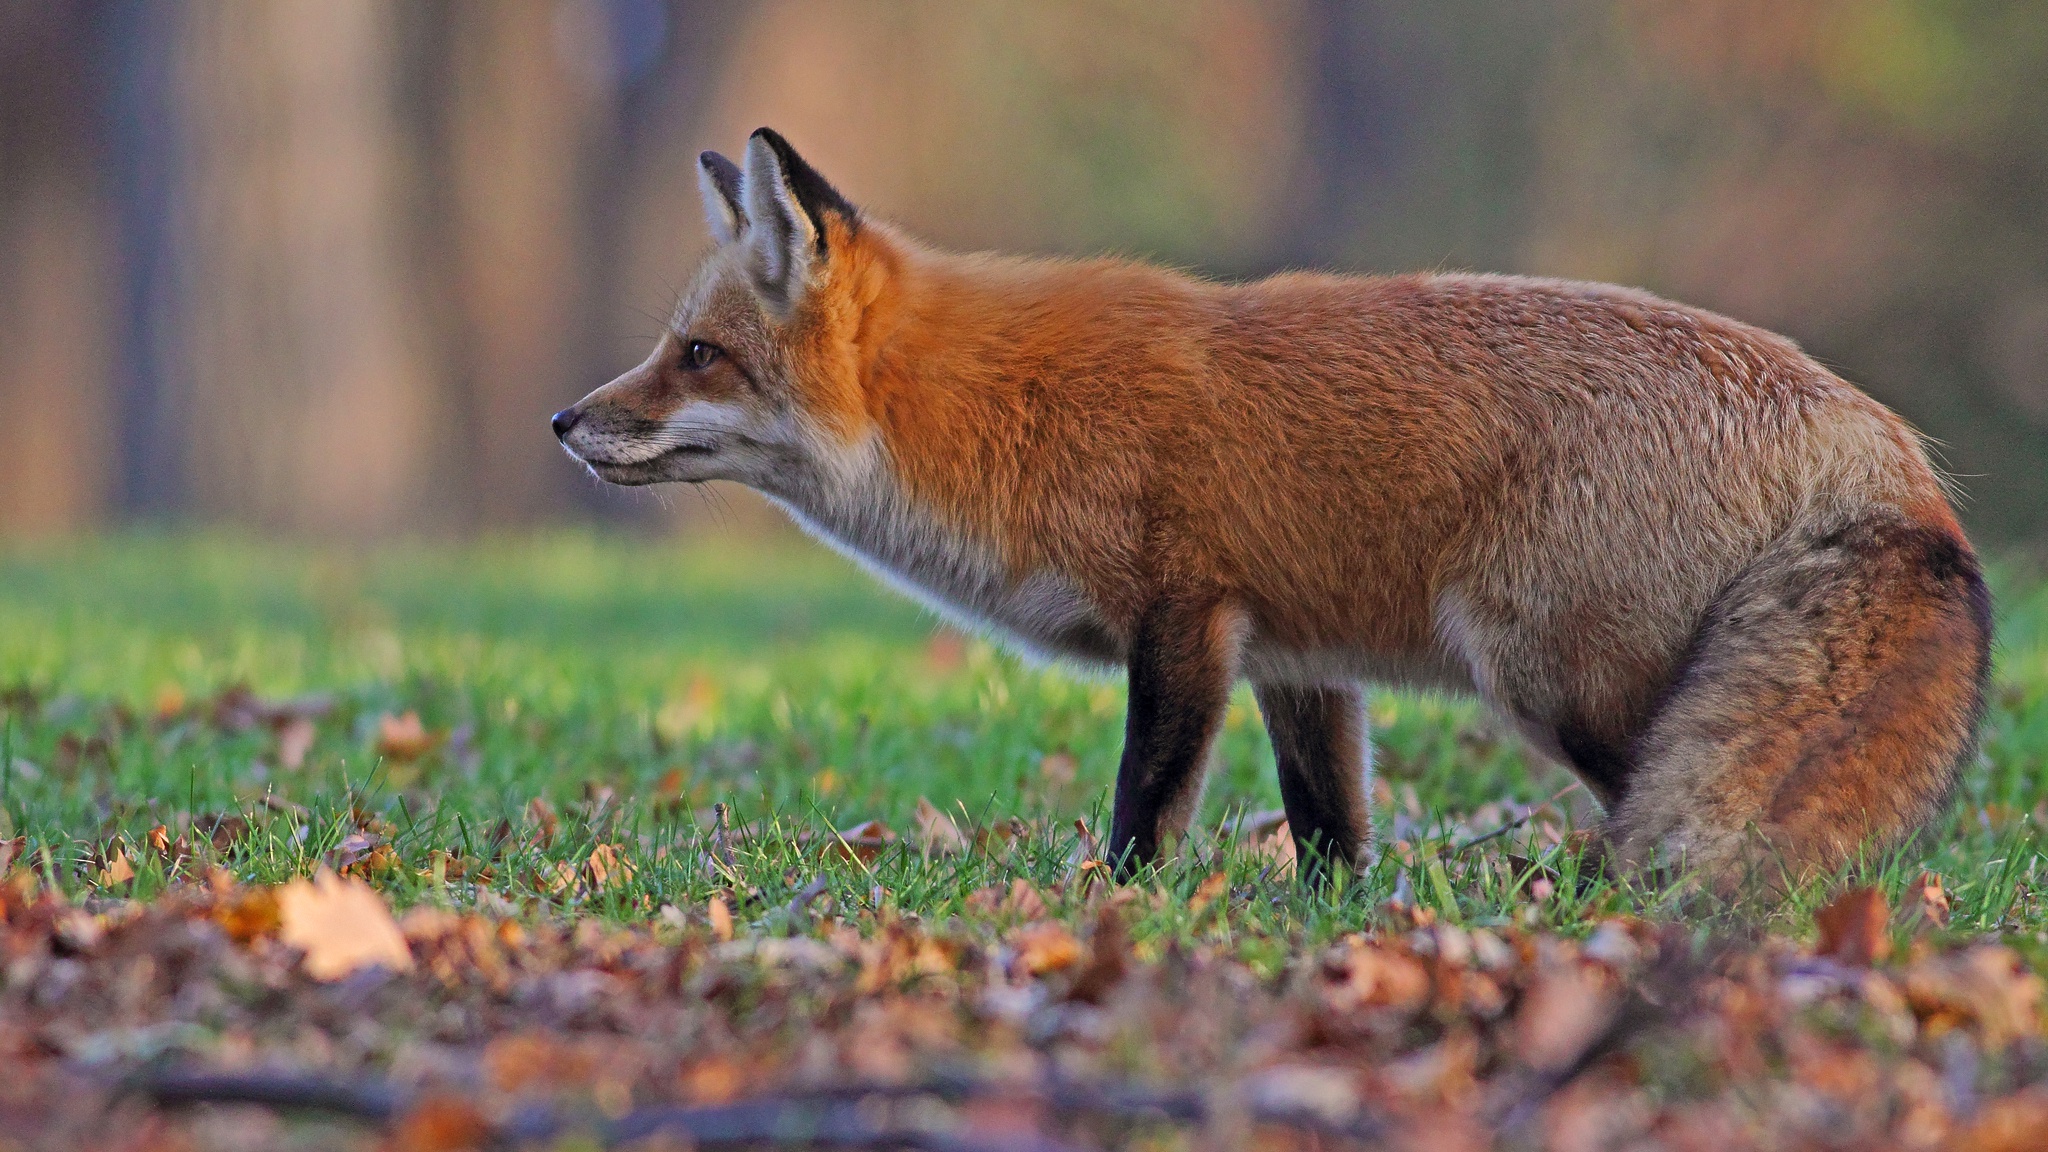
x: 632, y: 685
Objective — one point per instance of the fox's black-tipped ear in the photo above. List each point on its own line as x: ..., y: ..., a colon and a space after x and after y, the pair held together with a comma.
x: 786, y: 205
x: 718, y: 180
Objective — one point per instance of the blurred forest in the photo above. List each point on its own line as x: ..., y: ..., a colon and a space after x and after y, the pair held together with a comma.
x: 325, y: 266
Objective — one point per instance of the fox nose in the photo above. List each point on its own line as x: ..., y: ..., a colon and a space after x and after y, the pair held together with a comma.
x: 563, y: 421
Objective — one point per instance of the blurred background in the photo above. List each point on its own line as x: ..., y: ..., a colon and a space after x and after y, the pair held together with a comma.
x: 323, y: 267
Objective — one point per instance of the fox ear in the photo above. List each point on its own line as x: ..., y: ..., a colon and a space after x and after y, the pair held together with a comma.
x: 786, y: 205
x: 718, y: 180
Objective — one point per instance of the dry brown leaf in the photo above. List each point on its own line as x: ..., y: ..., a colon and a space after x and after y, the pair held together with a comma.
x: 541, y: 815
x: 1363, y: 976
x: 341, y: 924
x: 1853, y: 929
x: 1024, y: 900
x: 294, y: 741
x: 864, y: 841
x: 1207, y: 891
x: 1047, y: 947
x: 1562, y: 1014
x: 1927, y: 901
x: 1109, y: 958
x: 441, y: 1124
x: 609, y: 868
x: 404, y: 737
x: 116, y: 871
x: 1987, y: 985
x: 936, y: 830
x: 10, y: 851
x: 247, y: 913
x: 720, y: 917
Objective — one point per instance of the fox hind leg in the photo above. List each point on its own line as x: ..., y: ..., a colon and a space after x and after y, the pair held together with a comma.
x: 1323, y: 750
x: 1828, y: 702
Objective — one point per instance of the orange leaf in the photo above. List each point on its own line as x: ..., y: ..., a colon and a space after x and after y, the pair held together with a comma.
x: 1927, y: 900
x: 247, y: 914
x: 609, y: 867
x: 404, y: 737
x: 341, y: 925
x: 1047, y: 947
x: 1207, y: 892
x: 1852, y: 929
x: 441, y: 1124
x: 117, y: 870
x: 721, y: 918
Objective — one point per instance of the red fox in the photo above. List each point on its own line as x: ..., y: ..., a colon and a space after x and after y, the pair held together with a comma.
x: 1683, y: 559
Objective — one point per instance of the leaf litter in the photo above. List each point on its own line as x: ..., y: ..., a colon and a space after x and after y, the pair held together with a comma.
x: 455, y: 1027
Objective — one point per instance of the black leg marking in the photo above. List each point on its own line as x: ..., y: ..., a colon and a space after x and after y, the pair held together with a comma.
x: 1320, y: 744
x: 1181, y: 664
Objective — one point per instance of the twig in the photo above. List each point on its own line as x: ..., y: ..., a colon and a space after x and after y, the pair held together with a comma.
x: 1511, y: 825
x: 851, y: 1116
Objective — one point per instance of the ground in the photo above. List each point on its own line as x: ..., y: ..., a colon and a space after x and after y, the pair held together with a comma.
x: 722, y: 825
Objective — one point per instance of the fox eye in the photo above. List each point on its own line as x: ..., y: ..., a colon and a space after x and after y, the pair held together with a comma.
x: 699, y: 354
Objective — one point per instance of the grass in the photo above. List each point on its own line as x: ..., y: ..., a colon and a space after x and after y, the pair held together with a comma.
x: 620, y: 689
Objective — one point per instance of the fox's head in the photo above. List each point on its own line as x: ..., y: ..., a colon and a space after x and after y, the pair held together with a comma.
x: 758, y: 374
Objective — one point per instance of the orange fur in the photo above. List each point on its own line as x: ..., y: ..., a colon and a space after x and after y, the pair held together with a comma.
x: 1533, y: 490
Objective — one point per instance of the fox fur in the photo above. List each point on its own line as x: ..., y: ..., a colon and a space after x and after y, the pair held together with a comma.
x: 1682, y: 558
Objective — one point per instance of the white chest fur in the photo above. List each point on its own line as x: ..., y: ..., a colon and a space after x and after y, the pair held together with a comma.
x: 862, y: 512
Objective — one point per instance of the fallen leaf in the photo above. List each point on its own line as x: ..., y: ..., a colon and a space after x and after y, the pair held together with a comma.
x: 1561, y: 1015
x: 558, y: 878
x: 1987, y: 985
x: 294, y: 741
x: 116, y: 871
x: 541, y: 815
x: 1853, y: 929
x: 441, y: 1124
x: 1046, y: 947
x: 341, y: 924
x: 864, y: 841
x: 353, y: 850
x: 1207, y: 891
x: 248, y: 913
x: 1024, y: 900
x: 404, y: 737
x: 1927, y: 901
x: 720, y: 917
x: 10, y: 851
x: 609, y: 868
x: 937, y: 832
x: 1109, y: 958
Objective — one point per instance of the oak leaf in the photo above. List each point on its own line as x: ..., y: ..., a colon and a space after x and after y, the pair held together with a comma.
x: 341, y: 925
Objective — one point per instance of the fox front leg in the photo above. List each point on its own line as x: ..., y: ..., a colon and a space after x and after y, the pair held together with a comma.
x: 1182, y: 660
x: 1324, y: 754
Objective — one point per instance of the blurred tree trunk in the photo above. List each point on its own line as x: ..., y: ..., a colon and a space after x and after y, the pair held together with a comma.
x: 310, y: 399
x: 514, y: 141
x: 56, y: 453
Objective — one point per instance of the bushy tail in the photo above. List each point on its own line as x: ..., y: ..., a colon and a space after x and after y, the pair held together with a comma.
x: 1829, y: 701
